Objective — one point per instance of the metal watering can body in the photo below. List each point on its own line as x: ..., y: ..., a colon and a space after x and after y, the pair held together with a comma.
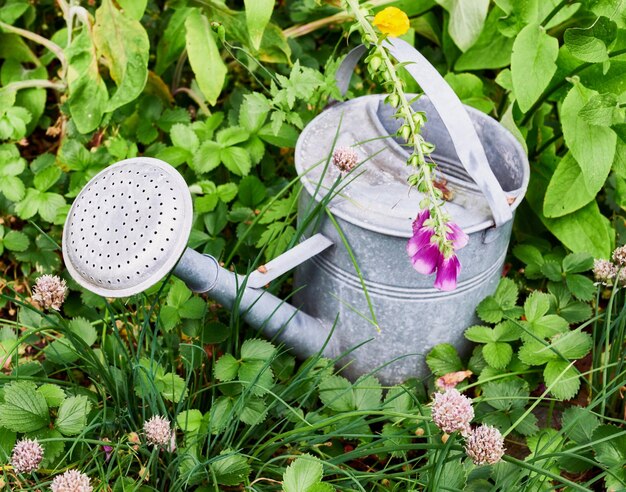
x: 129, y: 226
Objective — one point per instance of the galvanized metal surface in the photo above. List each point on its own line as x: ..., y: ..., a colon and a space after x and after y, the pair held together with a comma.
x: 128, y: 227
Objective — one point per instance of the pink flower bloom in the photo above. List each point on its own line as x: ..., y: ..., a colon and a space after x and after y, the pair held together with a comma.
x: 426, y: 256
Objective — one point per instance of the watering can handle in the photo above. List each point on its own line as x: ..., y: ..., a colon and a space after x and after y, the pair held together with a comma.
x: 456, y: 120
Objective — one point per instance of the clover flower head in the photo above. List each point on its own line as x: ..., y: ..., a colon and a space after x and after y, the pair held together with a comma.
x: 27, y: 456
x: 485, y: 445
x: 452, y: 411
x: 71, y: 481
x: 604, y: 271
x: 345, y: 159
x: 158, y: 431
x: 426, y: 256
x: 619, y: 256
x: 392, y: 21
x: 50, y: 292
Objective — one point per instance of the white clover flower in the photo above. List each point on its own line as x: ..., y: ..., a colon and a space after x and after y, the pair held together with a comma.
x: 452, y: 411
x: 27, y: 456
x: 485, y: 445
x: 158, y: 432
x: 345, y: 158
x: 71, y: 481
x: 50, y: 291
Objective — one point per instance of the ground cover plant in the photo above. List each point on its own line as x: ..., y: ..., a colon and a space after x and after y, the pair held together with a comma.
x: 169, y: 391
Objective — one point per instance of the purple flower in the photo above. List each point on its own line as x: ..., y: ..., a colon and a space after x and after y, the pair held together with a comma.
x: 485, y: 445
x: 428, y: 258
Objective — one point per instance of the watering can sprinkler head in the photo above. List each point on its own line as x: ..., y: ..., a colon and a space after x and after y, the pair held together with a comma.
x: 129, y: 227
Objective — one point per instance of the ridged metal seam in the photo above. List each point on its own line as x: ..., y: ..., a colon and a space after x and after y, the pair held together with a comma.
x: 413, y: 294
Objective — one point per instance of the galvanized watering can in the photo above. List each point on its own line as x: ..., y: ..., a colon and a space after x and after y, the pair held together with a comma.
x: 129, y: 227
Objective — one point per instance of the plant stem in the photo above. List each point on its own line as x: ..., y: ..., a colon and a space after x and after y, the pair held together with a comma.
x: 554, y: 11
x: 53, y: 47
x: 30, y: 84
x: 196, y: 98
x: 416, y: 138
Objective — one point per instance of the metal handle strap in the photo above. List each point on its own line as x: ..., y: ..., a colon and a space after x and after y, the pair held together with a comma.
x: 453, y: 115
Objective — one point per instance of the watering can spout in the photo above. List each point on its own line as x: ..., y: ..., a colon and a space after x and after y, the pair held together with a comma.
x: 276, y: 318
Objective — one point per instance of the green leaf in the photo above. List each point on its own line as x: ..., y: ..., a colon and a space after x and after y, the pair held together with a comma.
x: 257, y: 349
x: 123, y: 42
x: 591, y: 44
x: 184, y: 137
x: 470, y: 90
x: 172, y: 387
x: 536, y: 306
x: 226, y: 368
x: 367, y: 393
x: 601, y: 110
x: 88, y: 94
x: 236, y: 160
x: 7, y: 442
x: 572, y: 344
x: 580, y: 286
x: 221, y: 414
x: 16, y: 241
x: 562, y: 380
x: 24, y: 410
x: 466, y: 20
x: 53, y: 394
x: 204, y: 56
x: 254, y: 412
x: 257, y: 375
x: 480, y: 334
x: 178, y: 294
x: 497, y: 354
x: 258, y: 14
x: 207, y: 157
x: 253, y: 111
x: 12, y: 188
x: 594, y: 160
x: 533, y: 63
x: 251, y: 191
x: 452, y: 476
x: 336, y: 394
x: 577, y: 263
x: 302, y: 474
x: 194, y: 308
x: 568, y: 177
x: 172, y: 42
x: 578, y: 424
x: 189, y: 420
x: 83, y: 329
x: 506, y: 395
x: 611, y: 451
x: 230, y: 468
x: 52, y: 442
x: 72, y: 417
x: 134, y: 8
x: 443, y: 359
x: 493, y: 308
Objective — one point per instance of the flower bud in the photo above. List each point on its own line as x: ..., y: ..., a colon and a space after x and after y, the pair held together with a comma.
x: 405, y: 132
x: 393, y: 99
x: 375, y: 62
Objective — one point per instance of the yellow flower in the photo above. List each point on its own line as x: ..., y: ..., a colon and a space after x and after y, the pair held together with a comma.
x: 392, y: 21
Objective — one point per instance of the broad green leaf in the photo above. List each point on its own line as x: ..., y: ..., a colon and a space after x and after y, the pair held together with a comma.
x: 572, y: 344
x: 184, y: 137
x: 562, y: 379
x: 480, y: 334
x: 580, y: 286
x: 226, y: 368
x: 88, y: 94
x: 24, y: 410
x: 221, y: 414
x: 7, y: 442
x: 207, y: 157
x: 532, y: 64
x: 258, y: 14
x: 336, y: 394
x: 172, y: 42
x: 577, y: 263
x: 536, y: 306
x: 602, y: 110
x: 578, y: 424
x: 124, y: 44
x: 443, y: 359
x: 470, y: 90
x: 232, y: 136
x: 253, y: 111
x: 481, y: 54
x: 254, y: 412
x: 227, y: 192
x: 189, y: 420
x: 72, y: 417
x: 569, y: 190
x: 230, y: 468
x: 591, y: 44
x: 236, y: 160
x: 251, y: 191
x: 257, y: 349
x: 258, y: 375
x: 466, y: 20
x: 493, y: 308
x: 172, y: 387
x: 53, y: 394
x: 16, y: 241
x: 367, y: 393
x: 83, y: 329
x: 611, y: 451
x: 134, y: 8
x: 204, y: 56
x: 506, y: 395
x: 302, y: 474
x: 178, y: 294
x: 497, y: 354
x: 194, y: 308
x: 594, y: 159
x: 453, y: 476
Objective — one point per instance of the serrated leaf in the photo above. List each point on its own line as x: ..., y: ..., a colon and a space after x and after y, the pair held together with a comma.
x: 230, y: 468
x: 497, y: 354
x: 253, y: 111
x: 578, y: 424
x: 258, y: 375
x: 194, y: 308
x: 189, y: 420
x: 562, y: 379
x: 236, y: 160
x: 172, y: 387
x: 506, y: 395
x: 72, y: 417
x: 16, y: 241
x: 552, y: 269
x: 184, y: 137
x: 53, y: 394
x: 580, y: 286
x: 257, y: 349
x: 443, y: 359
x: 302, y: 474
x: 52, y: 442
x: 336, y: 394
x: 226, y: 368
x: 367, y: 393
x: 24, y: 410
x: 253, y: 412
x: 572, y: 344
x: 480, y: 334
x: 590, y: 44
x: 221, y: 414
x: 536, y: 306
x: 611, y: 451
